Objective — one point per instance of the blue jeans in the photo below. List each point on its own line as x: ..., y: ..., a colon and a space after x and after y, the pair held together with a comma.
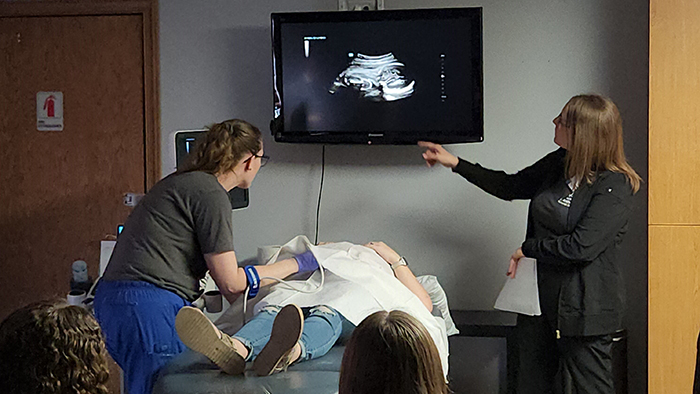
x: 323, y: 326
x: 138, y: 322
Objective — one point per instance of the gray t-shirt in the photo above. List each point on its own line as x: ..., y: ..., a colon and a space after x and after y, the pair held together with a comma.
x: 183, y: 217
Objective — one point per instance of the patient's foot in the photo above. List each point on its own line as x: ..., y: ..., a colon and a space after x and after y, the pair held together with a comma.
x: 201, y: 335
x: 283, y: 347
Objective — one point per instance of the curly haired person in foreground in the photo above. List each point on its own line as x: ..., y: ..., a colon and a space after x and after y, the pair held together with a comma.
x: 50, y: 347
x: 391, y: 352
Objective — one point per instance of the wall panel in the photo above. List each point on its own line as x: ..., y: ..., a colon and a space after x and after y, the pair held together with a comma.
x: 674, y: 112
x: 674, y: 206
x: 674, y: 315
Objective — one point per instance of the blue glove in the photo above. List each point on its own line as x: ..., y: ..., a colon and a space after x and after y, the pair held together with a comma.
x: 307, y: 262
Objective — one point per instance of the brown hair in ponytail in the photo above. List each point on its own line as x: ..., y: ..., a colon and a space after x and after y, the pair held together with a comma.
x: 224, y: 145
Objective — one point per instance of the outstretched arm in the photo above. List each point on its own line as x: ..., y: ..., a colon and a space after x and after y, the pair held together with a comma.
x: 231, y: 279
x: 402, y: 273
x: 521, y: 185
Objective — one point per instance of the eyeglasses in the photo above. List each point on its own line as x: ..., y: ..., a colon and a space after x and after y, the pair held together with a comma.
x: 263, y: 159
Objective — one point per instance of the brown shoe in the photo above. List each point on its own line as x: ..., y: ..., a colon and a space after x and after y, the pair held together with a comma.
x: 201, y: 335
x: 286, y: 332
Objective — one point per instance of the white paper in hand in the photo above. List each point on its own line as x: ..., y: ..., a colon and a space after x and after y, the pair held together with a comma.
x: 521, y: 295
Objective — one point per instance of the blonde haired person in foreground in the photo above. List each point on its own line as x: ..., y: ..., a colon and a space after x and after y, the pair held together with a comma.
x: 391, y: 353
x: 50, y: 347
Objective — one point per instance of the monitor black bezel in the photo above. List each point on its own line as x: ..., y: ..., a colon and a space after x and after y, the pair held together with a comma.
x: 475, y: 134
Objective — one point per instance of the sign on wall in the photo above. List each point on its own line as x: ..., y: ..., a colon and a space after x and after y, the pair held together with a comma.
x: 49, y: 111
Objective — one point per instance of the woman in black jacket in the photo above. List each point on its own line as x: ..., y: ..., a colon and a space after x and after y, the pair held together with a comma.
x: 581, y: 198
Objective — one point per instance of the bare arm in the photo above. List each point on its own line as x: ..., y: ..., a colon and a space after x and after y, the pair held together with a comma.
x: 280, y: 269
x: 402, y: 273
x: 231, y: 279
x: 405, y: 276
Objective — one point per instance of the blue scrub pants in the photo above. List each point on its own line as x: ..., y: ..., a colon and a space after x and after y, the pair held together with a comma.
x: 138, y: 322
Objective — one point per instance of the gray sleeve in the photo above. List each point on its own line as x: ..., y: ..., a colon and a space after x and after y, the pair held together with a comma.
x: 212, y: 222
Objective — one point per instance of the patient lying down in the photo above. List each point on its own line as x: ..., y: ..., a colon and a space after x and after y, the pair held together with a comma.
x: 290, y: 326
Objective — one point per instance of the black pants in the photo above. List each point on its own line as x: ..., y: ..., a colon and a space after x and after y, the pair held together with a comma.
x: 569, y: 365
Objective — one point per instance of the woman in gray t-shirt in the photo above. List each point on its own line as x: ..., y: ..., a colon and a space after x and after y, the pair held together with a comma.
x: 179, y: 230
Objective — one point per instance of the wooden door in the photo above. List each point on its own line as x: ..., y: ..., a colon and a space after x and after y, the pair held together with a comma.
x: 62, y: 191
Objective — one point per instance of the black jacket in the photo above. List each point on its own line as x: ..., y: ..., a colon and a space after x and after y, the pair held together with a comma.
x: 592, y: 295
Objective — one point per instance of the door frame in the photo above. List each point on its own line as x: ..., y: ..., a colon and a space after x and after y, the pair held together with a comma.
x: 148, y: 10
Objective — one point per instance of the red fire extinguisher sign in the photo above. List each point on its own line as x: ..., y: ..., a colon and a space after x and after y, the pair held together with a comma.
x: 49, y: 106
x: 49, y: 111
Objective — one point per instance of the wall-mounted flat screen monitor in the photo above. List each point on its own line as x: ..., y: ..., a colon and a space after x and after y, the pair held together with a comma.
x: 384, y: 77
x: 185, y: 143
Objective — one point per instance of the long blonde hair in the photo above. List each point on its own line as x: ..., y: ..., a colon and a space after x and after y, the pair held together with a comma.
x: 391, y: 353
x: 596, y: 140
x: 224, y: 146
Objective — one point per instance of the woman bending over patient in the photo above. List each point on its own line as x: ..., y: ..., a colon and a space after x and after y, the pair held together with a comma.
x: 181, y: 229
x: 391, y: 353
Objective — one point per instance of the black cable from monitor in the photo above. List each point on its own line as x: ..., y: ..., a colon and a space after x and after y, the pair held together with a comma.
x: 320, y: 190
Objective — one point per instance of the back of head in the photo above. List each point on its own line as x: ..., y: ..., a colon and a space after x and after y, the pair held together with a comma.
x: 597, y: 140
x: 391, y: 353
x: 50, y: 347
x: 223, y: 146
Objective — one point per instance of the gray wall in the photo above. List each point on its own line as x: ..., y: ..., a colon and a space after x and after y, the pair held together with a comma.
x: 215, y: 65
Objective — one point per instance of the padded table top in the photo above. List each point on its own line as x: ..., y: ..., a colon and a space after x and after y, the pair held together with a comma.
x: 193, y: 373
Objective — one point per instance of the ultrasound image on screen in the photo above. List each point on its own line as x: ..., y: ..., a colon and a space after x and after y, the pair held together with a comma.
x: 395, y: 76
x: 376, y: 78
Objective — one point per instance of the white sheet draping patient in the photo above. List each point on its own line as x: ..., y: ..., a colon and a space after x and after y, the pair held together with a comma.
x: 357, y: 283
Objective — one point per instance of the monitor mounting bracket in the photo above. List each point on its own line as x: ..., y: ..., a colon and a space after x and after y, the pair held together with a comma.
x: 360, y: 5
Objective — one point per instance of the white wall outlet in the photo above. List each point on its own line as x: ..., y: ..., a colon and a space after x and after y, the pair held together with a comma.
x: 132, y: 199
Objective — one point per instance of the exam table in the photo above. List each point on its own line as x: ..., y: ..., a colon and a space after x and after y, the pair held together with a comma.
x: 192, y: 373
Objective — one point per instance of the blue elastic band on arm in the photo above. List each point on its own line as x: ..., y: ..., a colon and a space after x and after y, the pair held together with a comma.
x: 253, y: 280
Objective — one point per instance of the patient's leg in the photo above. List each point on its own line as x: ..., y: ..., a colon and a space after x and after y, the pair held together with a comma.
x: 279, y: 352
x: 229, y: 353
x: 322, y: 328
x: 255, y: 334
x: 201, y: 335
